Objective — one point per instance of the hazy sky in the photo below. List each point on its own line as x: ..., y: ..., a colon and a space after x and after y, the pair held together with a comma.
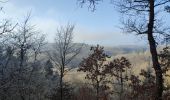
x: 99, y: 27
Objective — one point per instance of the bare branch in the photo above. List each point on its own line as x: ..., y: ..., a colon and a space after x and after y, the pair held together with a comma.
x: 92, y: 3
x: 162, y: 2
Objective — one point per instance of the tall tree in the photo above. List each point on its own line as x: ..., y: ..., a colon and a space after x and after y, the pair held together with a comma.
x: 28, y: 44
x: 64, y: 52
x: 142, y: 20
x: 94, y: 66
x: 119, y: 69
x: 150, y: 27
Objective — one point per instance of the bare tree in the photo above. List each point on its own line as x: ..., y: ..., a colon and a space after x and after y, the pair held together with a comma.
x: 64, y: 52
x: 28, y: 45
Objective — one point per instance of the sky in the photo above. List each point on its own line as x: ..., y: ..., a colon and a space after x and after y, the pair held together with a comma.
x: 98, y: 27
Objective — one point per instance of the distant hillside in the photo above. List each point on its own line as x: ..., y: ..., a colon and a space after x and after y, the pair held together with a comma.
x: 124, y: 49
x: 111, y: 51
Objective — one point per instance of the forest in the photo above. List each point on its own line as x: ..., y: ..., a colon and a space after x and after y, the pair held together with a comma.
x: 32, y: 68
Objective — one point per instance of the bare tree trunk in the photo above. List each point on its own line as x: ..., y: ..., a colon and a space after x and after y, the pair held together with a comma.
x: 61, y: 86
x: 61, y: 79
x: 153, y: 51
x: 20, y: 72
x: 97, y: 89
x: 121, y: 84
